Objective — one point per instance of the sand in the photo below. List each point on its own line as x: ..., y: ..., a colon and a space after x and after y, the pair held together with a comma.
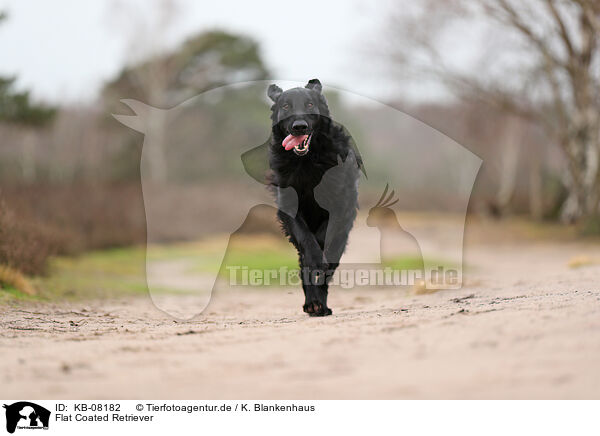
x: 525, y: 325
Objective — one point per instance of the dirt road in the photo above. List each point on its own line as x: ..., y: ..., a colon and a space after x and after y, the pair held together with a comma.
x: 526, y: 325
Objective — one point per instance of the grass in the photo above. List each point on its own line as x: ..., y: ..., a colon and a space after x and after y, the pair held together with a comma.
x: 11, y: 278
x: 254, y: 252
x: 260, y: 253
x: 416, y: 263
x: 121, y: 271
x: 404, y: 263
x: 10, y: 294
x: 583, y: 260
x: 105, y: 273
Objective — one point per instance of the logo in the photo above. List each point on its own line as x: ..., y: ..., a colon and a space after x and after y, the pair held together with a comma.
x: 26, y: 415
x: 200, y: 152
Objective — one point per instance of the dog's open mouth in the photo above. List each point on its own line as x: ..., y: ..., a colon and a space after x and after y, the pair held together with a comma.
x: 299, y: 143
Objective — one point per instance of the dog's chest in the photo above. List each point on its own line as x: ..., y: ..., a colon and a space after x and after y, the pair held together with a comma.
x: 304, y: 176
x: 302, y: 172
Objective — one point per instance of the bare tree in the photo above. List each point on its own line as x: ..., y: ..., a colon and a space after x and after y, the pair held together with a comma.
x: 147, y: 33
x: 164, y: 77
x: 540, y: 59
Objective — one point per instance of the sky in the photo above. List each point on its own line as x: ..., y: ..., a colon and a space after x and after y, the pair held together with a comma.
x: 64, y: 50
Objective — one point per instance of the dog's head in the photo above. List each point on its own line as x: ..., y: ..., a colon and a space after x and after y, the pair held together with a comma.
x: 298, y: 112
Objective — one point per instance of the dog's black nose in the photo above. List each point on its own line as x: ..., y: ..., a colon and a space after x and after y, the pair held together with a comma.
x: 299, y: 126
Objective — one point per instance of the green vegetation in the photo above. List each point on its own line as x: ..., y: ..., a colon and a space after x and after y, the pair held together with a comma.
x: 410, y: 262
x: 121, y: 271
x: 405, y: 263
x: 107, y: 273
x: 590, y: 226
x: 9, y: 294
x: 16, y: 107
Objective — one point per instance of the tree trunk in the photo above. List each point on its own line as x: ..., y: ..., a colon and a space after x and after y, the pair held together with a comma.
x: 28, y: 164
x: 536, y: 203
x: 510, y: 164
x: 582, y: 181
x: 156, y: 146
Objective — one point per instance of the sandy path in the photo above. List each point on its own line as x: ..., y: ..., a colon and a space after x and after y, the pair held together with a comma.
x: 525, y: 326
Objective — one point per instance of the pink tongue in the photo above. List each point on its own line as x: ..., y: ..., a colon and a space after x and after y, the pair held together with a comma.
x: 292, y: 141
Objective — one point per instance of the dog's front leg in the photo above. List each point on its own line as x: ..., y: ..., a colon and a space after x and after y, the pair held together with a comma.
x: 303, y: 239
x: 313, y: 303
x: 315, y: 290
x: 313, y: 270
x: 312, y: 264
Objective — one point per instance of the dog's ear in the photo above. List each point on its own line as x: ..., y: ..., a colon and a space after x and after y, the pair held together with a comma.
x: 315, y: 85
x: 274, y: 92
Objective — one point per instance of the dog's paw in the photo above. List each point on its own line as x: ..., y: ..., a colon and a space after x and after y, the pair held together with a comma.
x: 315, y: 308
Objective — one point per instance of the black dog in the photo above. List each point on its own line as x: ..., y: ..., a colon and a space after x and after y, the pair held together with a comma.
x: 315, y: 170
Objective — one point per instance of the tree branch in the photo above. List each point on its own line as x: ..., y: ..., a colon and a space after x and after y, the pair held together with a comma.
x: 566, y: 39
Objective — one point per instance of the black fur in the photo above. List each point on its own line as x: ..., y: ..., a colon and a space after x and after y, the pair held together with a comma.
x: 317, y: 194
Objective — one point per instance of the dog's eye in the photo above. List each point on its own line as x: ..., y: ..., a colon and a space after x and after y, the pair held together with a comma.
x: 285, y: 107
x: 309, y: 105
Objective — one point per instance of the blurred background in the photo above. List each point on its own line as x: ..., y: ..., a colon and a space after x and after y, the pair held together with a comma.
x: 516, y: 83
